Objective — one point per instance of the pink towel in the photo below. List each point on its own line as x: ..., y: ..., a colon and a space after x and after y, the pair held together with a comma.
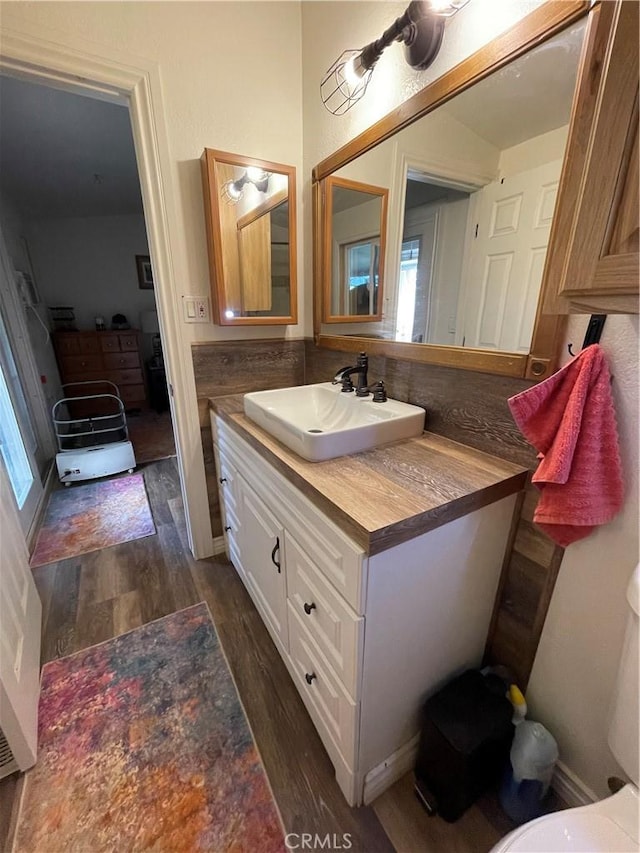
x: 570, y: 420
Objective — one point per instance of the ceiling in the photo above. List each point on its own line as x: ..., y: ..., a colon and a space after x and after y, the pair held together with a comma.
x: 544, y: 80
x: 65, y: 155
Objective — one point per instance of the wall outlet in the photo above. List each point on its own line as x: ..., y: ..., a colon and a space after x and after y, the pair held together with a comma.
x: 196, y: 309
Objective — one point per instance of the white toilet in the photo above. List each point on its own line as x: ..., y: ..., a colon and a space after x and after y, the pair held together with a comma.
x: 611, y: 825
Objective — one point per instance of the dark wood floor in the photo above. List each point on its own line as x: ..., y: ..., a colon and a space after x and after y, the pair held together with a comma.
x: 96, y: 596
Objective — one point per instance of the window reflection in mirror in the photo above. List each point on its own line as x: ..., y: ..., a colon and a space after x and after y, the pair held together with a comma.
x: 354, y: 257
x: 472, y: 193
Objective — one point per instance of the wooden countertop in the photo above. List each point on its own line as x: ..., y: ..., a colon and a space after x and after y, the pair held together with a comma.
x: 388, y: 495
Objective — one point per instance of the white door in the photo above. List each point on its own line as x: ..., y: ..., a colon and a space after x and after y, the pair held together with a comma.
x: 506, y: 259
x: 20, y: 613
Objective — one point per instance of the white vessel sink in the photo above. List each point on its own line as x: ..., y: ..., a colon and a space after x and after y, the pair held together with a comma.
x: 321, y: 422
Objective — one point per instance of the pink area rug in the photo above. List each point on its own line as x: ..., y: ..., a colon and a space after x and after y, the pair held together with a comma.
x: 144, y: 746
x: 93, y: 516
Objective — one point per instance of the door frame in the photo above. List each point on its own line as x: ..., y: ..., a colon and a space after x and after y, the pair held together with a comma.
x: 136, y: 82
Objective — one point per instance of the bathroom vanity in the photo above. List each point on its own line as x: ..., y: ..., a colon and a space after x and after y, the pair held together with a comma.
x: 375, y: 575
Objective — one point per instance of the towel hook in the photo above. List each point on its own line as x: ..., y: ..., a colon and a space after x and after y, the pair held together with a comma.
x: 593, y: 333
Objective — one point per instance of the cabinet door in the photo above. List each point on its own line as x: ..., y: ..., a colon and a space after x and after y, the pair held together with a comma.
x: 593, y: 259
x: 262, y: 550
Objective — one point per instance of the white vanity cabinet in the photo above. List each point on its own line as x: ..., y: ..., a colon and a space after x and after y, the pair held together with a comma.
x: 366, y: 637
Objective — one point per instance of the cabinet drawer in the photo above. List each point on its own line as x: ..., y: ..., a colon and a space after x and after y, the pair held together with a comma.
x: 126, y: 377
x: 120, y: 360
x: 80, y: 364
x: 334, y: 626
x: 227, y: 479
x: 333, y: 711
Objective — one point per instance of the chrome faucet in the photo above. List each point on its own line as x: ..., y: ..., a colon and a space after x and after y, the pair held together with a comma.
x: 344, y: 375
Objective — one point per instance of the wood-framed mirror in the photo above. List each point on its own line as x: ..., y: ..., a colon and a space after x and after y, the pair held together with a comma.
x: 498, y: 101
x: 250, y: 214
x: 355, y: 232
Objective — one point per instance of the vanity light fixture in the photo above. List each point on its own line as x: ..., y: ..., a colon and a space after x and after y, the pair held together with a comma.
x: 232, y: 191
x: 420, y: 28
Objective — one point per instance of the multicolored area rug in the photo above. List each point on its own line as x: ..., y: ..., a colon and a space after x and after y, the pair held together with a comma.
x: 93, y: 516
x: 144, y: 746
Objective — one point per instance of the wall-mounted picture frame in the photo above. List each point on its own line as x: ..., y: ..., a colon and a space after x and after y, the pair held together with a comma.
x: 145, y: 273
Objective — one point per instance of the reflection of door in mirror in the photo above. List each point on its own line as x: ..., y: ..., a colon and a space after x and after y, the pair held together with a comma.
x: 250, y: 212
x: 472, y: 193
x: 354, y: 256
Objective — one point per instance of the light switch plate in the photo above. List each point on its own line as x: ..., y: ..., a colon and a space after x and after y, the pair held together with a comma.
x: 196, y: 309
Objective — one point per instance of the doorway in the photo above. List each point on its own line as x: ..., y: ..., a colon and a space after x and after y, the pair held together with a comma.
x: 72, y: 212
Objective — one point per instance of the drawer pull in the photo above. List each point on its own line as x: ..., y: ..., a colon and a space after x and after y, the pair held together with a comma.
x: 222, y: 480
x: 227, y: 528
x: 276, y: 547
x: 309, y: 607
x: 309, y: 677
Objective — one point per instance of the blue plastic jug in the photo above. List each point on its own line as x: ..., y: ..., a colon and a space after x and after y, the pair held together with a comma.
x: 533, y: 755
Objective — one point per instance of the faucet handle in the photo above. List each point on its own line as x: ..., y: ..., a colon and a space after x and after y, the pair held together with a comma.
x: 379, y: 393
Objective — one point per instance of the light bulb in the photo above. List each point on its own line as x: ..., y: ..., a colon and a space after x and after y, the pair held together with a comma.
x: 229, y: 314
x: 354, y: 71
x: 256, y: 174
x: 234, y: 192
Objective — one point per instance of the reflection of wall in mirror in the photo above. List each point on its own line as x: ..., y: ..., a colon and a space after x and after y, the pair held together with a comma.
x: 349, y: 226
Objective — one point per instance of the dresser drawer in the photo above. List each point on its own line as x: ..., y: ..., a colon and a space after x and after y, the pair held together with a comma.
x: 128, y: 341
x: 81, y: 364
x: 334, y: 626
x: 126, y: 377
x: 333, y: 711
x: 121, y: 360
x: 109, y: 342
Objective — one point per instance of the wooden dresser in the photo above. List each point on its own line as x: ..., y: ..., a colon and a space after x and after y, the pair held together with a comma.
x: 115, y: 356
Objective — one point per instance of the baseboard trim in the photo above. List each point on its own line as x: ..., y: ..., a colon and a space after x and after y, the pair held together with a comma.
x: 570, y: 788
x: 219, y: 546
x: 390, y: 770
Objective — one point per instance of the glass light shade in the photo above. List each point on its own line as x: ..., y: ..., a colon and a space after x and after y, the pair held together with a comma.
x: 345, y: 82
x: 231, y: 192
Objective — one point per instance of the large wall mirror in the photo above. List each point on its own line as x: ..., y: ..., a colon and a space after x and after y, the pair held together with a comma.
x: 250, y: 211
x: 472, y: 183
x: 356, y: 223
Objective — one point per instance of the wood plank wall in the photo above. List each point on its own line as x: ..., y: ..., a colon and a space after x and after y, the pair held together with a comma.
x: 462, y: 405
x: 237, y: 367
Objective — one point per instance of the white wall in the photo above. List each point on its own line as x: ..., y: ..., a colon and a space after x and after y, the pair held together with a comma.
x: 90, y: 264
x: 534, y: 152
x: 572, y: 682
